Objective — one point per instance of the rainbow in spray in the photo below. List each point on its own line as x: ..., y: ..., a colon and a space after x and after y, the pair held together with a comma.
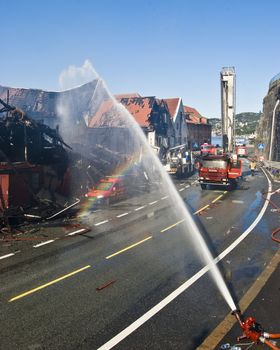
x: 130, y: 166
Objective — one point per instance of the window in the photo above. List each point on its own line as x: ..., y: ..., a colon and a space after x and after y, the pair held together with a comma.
x: 105, y: 186
x: 221, y: 164
x: 236, y: 165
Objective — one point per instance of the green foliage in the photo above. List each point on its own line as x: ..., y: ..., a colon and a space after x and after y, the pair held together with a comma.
x: 245, y: 123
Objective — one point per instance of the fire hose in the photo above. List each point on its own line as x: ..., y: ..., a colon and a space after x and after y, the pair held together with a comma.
x: 275, y: 232
x: 253, y: 331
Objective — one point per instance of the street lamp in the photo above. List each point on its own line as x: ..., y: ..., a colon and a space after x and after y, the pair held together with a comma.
x: 272, y: 129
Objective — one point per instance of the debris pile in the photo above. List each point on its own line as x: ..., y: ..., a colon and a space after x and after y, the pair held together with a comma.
x: 40, y: 175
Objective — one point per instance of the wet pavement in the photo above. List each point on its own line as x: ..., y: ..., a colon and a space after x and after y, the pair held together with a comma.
x: 261, y: 301
x: 76, y: 314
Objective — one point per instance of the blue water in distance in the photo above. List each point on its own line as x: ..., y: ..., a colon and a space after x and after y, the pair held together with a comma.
x: 217, y: 140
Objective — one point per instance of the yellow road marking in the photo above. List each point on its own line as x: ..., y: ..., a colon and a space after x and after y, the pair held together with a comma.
x: 216, y: 199
x: 213, y: 201
x: 206, y: 206
x: 129, y: 247
x: 169, y: 227
x: 50, y: 283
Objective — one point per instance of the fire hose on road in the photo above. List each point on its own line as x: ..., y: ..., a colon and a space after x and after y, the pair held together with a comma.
x: 277, y: 208
x: 254, y: 331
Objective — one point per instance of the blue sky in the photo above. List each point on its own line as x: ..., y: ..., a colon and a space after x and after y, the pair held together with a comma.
x: 166, y: 48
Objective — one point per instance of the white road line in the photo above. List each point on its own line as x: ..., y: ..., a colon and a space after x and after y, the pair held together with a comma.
x: 88, y: 213
x: 182, y: 184
x: 164, y: 198
x: 237, y: 201
x: 43, y: 243
x: 6, y: 256
x: 75, y: 232
x: 151, y: 203
x: 187, y: 186
x: 82, y: 215
x: 101, y: 222
x: 121, y: 215
x: 144, y: 206
x: 154, y: 310
x: 182, y: 189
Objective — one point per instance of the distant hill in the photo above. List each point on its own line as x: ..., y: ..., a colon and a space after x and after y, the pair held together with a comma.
x: 246, y: 123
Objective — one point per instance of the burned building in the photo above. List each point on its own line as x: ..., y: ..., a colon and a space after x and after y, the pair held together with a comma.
x: 66, y: 110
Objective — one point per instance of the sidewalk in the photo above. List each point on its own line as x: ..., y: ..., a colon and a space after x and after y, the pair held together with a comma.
x: 273, y: 168
x: 262, y: 301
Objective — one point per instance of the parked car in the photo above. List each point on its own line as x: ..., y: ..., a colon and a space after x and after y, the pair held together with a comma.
x: 109, y: 190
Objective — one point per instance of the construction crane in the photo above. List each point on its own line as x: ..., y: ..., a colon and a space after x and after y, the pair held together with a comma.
x: 228, y: 108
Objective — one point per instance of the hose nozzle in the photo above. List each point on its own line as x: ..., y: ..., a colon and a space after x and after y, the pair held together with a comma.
x: 253, y: 331
x: 250, y: 328
x: 238, y: 316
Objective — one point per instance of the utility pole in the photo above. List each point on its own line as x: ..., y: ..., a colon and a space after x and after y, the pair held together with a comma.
x: 227, y: 77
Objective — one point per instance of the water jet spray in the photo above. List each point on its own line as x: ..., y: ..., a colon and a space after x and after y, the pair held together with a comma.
x: 110, y: 117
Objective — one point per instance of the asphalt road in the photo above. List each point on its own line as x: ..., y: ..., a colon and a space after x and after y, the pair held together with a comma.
x: 80, y: 291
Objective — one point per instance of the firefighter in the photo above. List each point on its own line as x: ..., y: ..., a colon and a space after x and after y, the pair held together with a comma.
x: 253, y: 166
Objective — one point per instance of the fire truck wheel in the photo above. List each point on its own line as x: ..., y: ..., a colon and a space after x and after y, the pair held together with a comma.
x: 233, y: 185
x: 107, y: 202
x: 203, y: 186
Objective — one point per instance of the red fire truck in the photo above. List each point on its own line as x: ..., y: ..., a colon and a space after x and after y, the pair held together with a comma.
x: 207, y: 149
x: 219, y: 170
x: 242, y: 151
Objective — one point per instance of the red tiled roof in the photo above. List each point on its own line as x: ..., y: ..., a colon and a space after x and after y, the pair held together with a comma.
x: 192, y: 114
x: 108, y: 114
x: 129, y: 95
x: 191, y: 110
x: 140, y: 108
x: 172, y: 104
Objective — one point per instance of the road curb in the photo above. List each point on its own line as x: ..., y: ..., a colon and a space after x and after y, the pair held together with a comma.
x: 225, y: 326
